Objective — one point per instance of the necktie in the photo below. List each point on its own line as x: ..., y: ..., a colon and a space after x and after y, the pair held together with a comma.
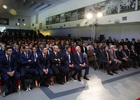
x: 26, y: 55
x: 114, y: 54
x: 80, y: 58
x: 9, y: 64
x: 107, y: 56
x: 35, y: 57
x: 45, y: 56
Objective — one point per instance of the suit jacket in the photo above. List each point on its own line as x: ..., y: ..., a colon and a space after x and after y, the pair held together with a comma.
x: 90, y: 54
x: 127, y: 52
x: 39, y: 51
x: 8, y: 67
x: 82, y: 50
x: 2, y: 52
x: 77, y: 60
x: 55, y: 63
x: 120, y: 55
x: 113, y: 54
x: 35, y: 60
x: 24, y: 60
x: 43, y: 63
x: 133, y: 53
x: 66, y: 62
x: 105, y: 56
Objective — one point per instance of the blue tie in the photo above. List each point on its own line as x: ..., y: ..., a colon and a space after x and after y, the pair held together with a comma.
x: 10, y: 70
x: 80, y: 58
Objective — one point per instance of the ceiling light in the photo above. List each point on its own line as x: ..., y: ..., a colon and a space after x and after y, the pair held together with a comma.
x: 89, y: 15
x: 99, y: 14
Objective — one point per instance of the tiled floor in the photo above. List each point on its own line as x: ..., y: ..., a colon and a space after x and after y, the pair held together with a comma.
x: 123, y: 86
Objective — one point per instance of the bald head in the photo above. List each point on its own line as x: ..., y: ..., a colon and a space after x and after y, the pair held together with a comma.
x: 55, y: 48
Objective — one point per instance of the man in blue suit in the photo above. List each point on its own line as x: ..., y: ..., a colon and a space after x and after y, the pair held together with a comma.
x: 80, y: 64
x: 39, y: 49
x: 8, y: 69
x: 26, y: 62
x: 42, y: 63
x: 69, y: 63
x: 108, y: 61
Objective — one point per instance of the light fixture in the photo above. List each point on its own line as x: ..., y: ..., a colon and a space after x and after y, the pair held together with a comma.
x: 20, y: 22
x: 99, y: 14
x: 89, y: 15
x: 5, y: 7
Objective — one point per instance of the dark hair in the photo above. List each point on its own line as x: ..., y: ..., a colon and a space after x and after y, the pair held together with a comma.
x: 7, y: 48
x: 67, y: 47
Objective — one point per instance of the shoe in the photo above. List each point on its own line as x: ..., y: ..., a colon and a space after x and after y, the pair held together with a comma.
x: 25, y: 89
x: 86, y: 78
x: 115, y: 72
x: 46, y: 85
x: 121, y: 69
x: 109, y: 73
x: 61, y: 83
x: 79, y: 79
x: 125, y: 68
x: 6, y: 93
x: 15, y: 90
x: 135, y: 67
x: 30, y: 87
x: 73, y: 78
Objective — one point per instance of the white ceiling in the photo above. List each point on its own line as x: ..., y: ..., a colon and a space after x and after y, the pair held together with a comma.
x: 28, y: 7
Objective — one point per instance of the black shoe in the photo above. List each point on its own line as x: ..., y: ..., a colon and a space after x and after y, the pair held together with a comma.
x: 25, y: 89
x: 86, y: 78
x: 125, y: 68
x: 135, y: 67
x: 121, y: 69
x: 31, y: 87
x: 46, y: 85
x: 15, y: 90
x: 109, y: 73
x: 6, y: 93
x: 73, y: 78
x: 79, y: 79
x: 61, y: 83
x: 115, y: 72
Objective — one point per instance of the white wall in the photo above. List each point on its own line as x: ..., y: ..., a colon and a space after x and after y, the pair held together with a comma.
x: 120, y: 31
x: 115, y: 31
x: 64, y: 7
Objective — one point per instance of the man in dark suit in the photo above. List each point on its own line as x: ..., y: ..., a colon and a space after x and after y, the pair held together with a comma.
x: 26, y: 61
x: 80, y: 64
x: 43, y: 66
x: 84, y: 51
x: 122, y: 57
x: 102, y: 59
x: 134, y: 55
x: 127, y: 52
x: 69, y: 63
x: 107, y: 58
x: 56, y: 60
x: 8, y: 69
x: 39, y: 49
